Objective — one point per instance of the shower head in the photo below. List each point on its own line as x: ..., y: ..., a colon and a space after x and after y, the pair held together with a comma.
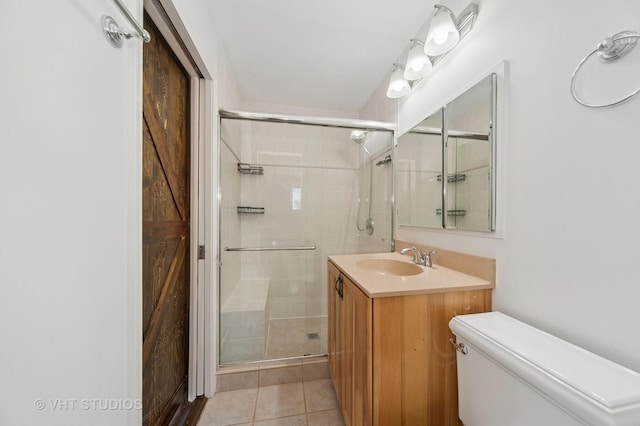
x: 358, y: 136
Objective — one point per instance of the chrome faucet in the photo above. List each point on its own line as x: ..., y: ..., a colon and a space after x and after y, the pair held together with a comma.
x: 419, y: 257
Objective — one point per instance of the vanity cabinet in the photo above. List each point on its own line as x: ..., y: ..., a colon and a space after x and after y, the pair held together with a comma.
x: 390, y: 358
x: 350, y: 355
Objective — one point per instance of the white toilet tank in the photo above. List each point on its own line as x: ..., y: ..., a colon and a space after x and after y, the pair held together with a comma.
x: 516, y: 375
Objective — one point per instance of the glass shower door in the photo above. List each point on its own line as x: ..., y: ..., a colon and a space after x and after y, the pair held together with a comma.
x: 288, y: 198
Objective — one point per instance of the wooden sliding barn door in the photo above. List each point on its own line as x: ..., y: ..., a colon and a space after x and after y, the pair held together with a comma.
x: 166, y: 212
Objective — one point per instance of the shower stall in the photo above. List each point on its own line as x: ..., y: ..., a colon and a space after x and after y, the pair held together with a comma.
x: 292, y: 191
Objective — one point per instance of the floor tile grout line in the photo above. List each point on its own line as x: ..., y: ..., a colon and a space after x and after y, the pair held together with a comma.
x: 304, y: 396
x: 283, y: 417
x: 266, y: 346
x: 255, y: 404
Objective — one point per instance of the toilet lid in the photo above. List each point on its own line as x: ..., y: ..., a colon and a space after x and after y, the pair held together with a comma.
x: 568, y: 374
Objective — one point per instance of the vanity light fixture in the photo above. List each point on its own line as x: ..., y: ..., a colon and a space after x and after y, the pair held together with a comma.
x: 398, y: 85
x: 445, y: 31
x: 443, y: 34
x: 418, y: 63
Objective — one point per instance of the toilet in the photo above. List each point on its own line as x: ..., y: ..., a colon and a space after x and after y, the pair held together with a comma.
x: 512, y: 374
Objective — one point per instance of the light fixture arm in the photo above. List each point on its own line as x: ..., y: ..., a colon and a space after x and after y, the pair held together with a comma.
x: 467, y: 19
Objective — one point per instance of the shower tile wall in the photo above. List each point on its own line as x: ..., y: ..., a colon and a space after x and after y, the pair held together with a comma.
x: 380, y: 240
x: 309, y: 191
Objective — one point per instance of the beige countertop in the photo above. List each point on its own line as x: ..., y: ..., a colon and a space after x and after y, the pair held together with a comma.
x: 437, y: 279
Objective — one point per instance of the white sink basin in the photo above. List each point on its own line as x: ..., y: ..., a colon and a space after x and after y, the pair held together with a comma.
x: 390, y: 267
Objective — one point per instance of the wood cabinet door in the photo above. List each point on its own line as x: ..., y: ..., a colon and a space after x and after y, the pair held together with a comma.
x: 166, y: 212
x: 414, y: 372
x: 357, y: 330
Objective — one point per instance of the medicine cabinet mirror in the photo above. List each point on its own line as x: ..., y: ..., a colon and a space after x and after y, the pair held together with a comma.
x: 457, y: 141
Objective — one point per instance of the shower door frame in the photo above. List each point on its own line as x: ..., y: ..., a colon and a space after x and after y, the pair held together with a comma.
x: 366, y: 125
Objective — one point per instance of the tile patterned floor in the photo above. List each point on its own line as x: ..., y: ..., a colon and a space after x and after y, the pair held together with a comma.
x: 307, y: 403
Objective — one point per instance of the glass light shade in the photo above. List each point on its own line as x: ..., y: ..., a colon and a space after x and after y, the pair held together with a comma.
x: 443, y: 34
x: 398, y: 85
x: 418, y: 63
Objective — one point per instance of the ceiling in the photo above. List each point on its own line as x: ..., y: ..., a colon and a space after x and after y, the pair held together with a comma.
x: 329, y: 54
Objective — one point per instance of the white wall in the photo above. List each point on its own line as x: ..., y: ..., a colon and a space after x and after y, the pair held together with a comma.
x: 568, y: 250
x: 70, y: 184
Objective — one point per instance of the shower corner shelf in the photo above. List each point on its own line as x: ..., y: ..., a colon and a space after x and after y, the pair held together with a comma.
x: 248, y: 169
x: 457, y: 177
x: 452, y: 212
x: 384, y: 161
x: 250, y: 210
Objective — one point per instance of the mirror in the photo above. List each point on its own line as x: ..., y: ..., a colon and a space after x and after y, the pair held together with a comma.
x: 457, y: 141
x: 419, y: 171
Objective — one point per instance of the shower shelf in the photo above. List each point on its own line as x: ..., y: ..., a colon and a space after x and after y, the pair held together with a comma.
x: 452, y: 212
x: 385, y: 160
x: 457, y: 177
x: 250, y: 210
x: 248, y: 169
